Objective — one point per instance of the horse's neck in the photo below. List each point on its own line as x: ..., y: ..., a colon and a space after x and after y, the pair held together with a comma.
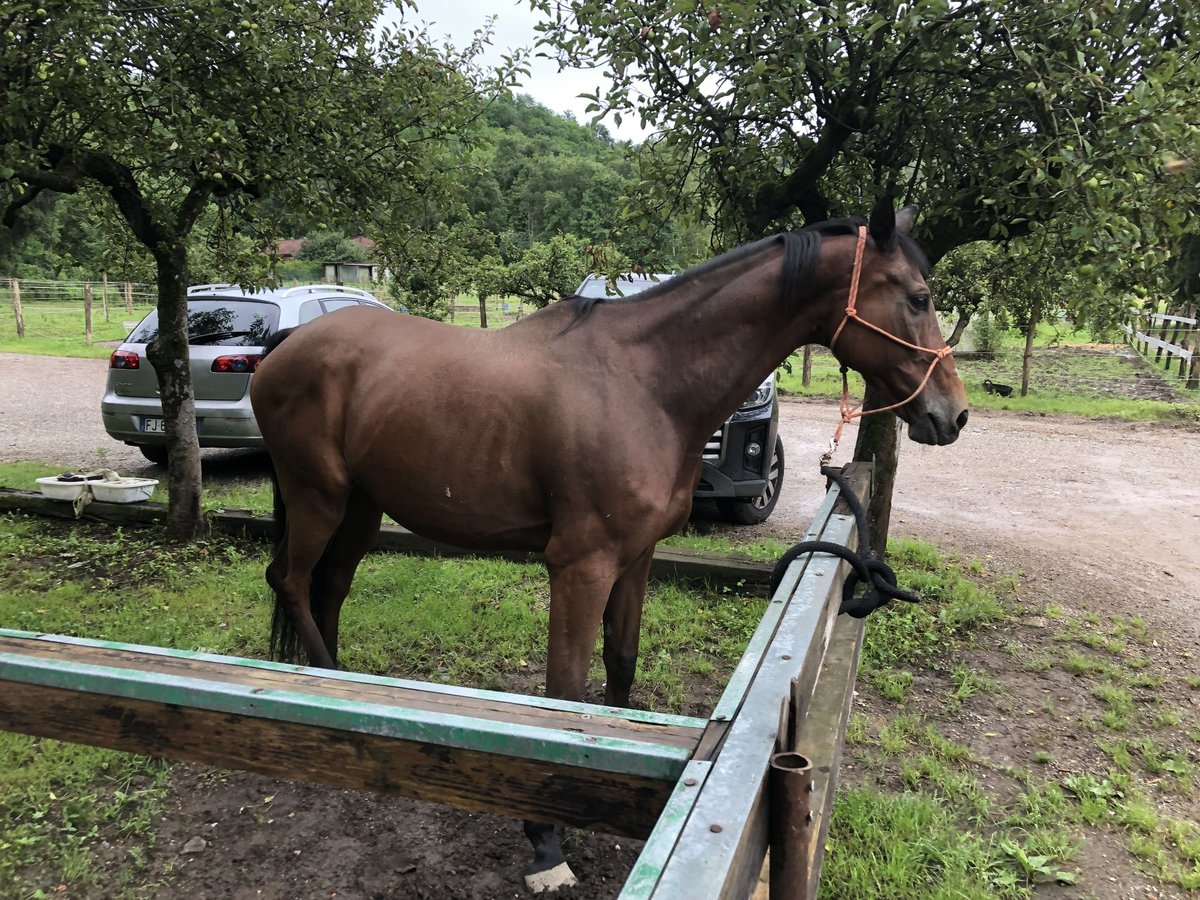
x: 715, y: 338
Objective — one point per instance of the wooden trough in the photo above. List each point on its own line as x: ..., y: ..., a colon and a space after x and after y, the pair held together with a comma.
x: 698, y: 790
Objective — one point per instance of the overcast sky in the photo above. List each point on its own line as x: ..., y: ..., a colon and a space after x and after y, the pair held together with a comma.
x: 514, y: 28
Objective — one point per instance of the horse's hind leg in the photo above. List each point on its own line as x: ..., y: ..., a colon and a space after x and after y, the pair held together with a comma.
x: 335, y: 572
x: 313, y: 516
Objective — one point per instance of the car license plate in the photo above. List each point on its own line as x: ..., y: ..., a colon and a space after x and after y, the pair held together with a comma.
x: 154, y: 425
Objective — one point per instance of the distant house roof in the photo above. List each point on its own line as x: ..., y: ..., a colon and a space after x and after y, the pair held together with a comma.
x: 289, y: 248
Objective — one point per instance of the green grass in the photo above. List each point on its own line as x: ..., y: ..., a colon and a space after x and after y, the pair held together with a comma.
x: 54, y: 800
x: 886, y: 846
x: 56, y: 328
x: 954, y: 607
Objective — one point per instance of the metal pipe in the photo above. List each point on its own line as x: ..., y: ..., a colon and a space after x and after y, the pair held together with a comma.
x: 789, y: 787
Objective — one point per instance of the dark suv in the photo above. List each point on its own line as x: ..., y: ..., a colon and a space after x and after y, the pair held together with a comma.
x: 743, y: 460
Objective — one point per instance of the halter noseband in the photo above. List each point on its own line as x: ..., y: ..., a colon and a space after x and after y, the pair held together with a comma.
x: 851, y: 412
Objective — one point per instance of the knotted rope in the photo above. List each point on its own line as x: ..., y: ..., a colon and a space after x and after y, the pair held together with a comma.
x: 868, y: 568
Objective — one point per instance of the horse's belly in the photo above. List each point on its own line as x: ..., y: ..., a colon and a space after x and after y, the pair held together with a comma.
x: 467, y: 519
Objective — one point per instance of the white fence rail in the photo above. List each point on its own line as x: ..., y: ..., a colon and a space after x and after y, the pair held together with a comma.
x: 1174, y: 340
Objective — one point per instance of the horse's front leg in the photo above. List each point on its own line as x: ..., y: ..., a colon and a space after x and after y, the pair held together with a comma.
x: 579, y: 591
x: 622, y: 629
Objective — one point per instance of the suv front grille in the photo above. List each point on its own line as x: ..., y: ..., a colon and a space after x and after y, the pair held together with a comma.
x: 714, y: 450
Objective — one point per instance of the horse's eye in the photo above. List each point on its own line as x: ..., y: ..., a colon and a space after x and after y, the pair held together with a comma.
x: 919, y: 301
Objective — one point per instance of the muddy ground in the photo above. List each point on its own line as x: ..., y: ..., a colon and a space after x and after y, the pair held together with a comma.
x: 1094, y: 517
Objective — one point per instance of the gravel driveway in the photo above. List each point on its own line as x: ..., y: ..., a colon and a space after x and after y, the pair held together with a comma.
x: 1100, y: 514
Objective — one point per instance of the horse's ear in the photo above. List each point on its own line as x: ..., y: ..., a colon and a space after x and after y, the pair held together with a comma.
x: 905, y: 218
x: 883, y: 222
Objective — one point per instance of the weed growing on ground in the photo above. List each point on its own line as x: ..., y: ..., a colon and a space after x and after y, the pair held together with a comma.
x: 1128, y: 787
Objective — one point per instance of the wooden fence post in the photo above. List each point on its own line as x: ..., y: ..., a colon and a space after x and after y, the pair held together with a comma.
x: 1193, y: 344
x: 879, y: 442
x: 1162, y: 336
x: 16, y: 303
x: 128, y: 297
x: 104, y: 296
x: 87, y: 312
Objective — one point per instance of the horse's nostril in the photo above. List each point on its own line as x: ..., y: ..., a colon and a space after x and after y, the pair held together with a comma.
x: 961, y: 421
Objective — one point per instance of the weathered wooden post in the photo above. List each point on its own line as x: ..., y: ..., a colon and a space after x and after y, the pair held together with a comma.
x: 1193, y: 344
x: 104, y: 296
x: 879, y: 443
x: 16, y: 304
x: 128, y: 297
x: 806, y: 366
x: 87, y: 312
x: 1162, y: 336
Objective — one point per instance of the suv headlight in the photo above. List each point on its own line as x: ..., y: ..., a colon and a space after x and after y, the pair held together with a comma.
x: 762, y: 395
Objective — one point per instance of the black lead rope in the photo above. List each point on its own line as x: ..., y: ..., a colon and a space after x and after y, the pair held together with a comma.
x: 868, y: 568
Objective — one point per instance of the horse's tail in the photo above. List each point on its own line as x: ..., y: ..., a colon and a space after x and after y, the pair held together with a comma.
x: 285, y: 639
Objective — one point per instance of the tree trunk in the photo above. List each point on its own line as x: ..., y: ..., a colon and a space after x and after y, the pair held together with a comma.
x: 806, y: 366
x: 482, y: 312
x: 879, y: 443
x: 169, y: 356
x: 1035, y: 313
x: 964, y: 319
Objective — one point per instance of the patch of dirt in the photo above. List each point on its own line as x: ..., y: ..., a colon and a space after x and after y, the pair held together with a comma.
x: 239, y: 836
x: 1094, y: 516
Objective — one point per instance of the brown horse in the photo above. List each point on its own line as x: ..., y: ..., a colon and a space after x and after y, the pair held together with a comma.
x: 576, y: 431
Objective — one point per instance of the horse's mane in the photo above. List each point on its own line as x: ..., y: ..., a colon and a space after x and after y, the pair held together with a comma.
x: 801, y: 251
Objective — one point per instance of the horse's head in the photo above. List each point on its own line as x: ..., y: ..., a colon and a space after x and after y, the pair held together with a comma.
x: 891, y: 317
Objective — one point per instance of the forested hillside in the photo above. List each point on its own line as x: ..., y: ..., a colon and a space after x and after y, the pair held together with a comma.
x: 539, y: 199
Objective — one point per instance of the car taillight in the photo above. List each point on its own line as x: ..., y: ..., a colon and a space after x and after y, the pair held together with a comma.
x: 237, y: 365
x: 124, y: 359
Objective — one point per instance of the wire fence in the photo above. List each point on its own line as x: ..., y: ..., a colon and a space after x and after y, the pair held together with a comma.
x: 45, y: 308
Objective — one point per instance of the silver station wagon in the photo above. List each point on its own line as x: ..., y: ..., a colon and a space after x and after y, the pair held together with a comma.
x: 227, y: 330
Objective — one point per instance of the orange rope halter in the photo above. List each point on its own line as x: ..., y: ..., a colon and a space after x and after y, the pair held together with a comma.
x: 851, y: 412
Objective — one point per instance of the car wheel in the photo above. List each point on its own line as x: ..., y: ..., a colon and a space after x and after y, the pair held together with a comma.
x: 154, y: 453
x: 752, y: 512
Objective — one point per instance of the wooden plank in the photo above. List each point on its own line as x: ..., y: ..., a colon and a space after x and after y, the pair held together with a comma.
x: 1173, y: 349
x: 470, y: 779
x: 1179, y: 320
x: 824, y: 733
x: 161, y: 665
x: 571, y: 764
x: 669, y: 562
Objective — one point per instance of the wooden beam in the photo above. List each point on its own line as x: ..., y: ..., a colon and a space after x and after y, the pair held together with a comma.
x: 572, y: 764
x: 669, y: 562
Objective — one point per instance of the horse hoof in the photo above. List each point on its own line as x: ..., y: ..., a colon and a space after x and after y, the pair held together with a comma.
x: 550, y: 880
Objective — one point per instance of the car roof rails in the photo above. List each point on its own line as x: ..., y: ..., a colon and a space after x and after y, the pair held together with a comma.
x: 326, y: 289
x: 203, y: 288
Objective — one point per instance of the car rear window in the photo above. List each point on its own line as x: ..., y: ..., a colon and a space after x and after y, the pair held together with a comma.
x: 598, y: 286
x: 220, y: 322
